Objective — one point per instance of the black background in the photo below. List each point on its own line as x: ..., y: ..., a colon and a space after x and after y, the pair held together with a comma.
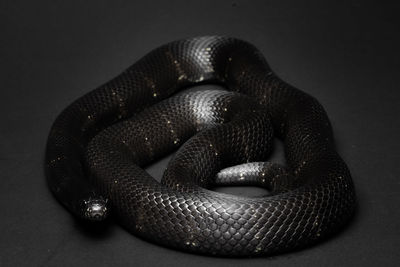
x: 345, y: 53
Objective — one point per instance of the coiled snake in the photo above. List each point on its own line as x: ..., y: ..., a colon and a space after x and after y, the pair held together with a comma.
x: 98, y: 145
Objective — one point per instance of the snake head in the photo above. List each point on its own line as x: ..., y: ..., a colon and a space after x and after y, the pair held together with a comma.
x: 95, y: 209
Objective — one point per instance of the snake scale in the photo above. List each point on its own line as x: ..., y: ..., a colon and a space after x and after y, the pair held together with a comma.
x: 98, y: 146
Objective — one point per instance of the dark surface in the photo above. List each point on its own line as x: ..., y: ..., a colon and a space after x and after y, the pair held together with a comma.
x: 343, y: 54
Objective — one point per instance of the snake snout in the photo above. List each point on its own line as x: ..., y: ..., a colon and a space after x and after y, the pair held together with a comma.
x: 95, y: 209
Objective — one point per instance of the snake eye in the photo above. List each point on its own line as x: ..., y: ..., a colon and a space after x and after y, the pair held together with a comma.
x: 95, y: 209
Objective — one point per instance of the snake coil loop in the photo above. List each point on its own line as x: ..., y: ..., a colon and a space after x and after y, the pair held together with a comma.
x: 99, y: 144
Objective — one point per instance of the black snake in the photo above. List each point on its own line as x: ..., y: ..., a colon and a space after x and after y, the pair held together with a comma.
x: 99, y: 144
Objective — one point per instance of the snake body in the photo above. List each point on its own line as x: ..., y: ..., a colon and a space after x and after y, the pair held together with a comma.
x: 98, y: 145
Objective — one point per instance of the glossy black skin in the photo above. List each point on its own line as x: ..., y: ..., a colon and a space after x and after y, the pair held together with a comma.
x: 311, y: 198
